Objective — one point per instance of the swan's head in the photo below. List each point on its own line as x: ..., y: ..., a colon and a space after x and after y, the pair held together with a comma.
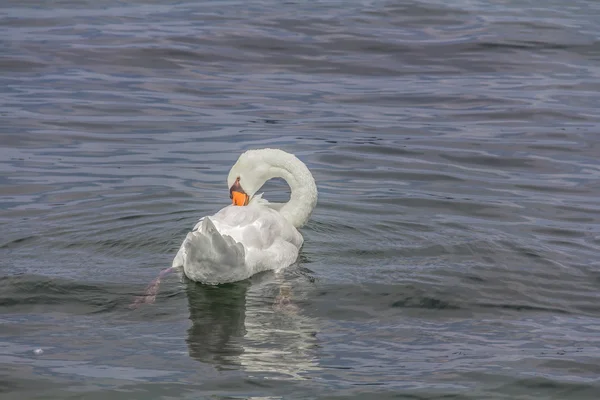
x: 255, y: 167
x: 247, y: 176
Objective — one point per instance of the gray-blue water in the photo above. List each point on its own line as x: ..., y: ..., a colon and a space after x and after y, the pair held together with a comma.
x: 455, y: 248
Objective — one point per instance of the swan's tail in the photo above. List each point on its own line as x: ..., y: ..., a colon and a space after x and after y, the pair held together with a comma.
x: 209, y: 257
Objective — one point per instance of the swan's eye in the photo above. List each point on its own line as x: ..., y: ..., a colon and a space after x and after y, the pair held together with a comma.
x: 235, y: 185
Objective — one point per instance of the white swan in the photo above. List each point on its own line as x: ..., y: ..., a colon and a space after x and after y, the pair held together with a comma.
x: 251, y: 235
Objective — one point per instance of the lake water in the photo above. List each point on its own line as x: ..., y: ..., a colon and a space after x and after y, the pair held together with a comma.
x: 455, y: 248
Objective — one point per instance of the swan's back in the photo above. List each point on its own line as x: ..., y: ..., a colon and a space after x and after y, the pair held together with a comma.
x: 238, y: 242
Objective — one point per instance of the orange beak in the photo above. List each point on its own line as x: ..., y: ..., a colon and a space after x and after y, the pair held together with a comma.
x: 237, y: 194
x: 239, y: 198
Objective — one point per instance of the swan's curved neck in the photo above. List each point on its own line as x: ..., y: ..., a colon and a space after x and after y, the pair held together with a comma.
x: 303, y: 196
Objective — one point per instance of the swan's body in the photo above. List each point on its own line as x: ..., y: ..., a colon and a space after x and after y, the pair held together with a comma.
x: 239, y: 241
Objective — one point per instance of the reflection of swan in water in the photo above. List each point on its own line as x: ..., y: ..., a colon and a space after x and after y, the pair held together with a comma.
x: 217, y: 314
x: 247, y: 325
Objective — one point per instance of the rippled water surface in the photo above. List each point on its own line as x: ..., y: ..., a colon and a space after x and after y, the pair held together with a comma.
x: 455, y: 248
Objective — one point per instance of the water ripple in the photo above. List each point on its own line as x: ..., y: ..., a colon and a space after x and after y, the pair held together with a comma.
x: 454, y: 248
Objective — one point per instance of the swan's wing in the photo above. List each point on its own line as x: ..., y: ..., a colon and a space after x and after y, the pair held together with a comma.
x: 198, y: 224
x: 238, y: 242
x: 269, y: 240
x: 211, y: 257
